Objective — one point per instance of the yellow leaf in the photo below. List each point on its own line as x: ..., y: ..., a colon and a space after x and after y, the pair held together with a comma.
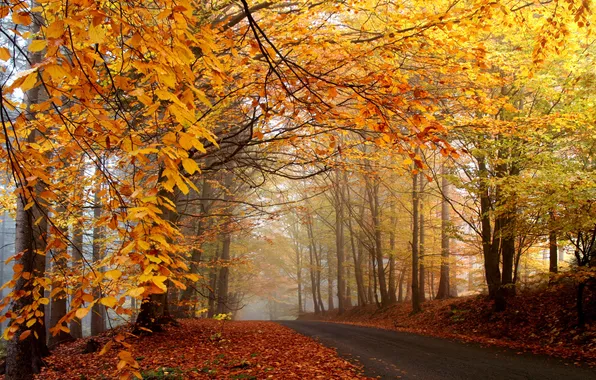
x: 31, y: 322
x: 201, y: 96
x: 56, y: 71
x: 106, y: 348
x: 126, y: 356
x: 44, y: 301
x: 192, y: 277
x: 154, y: 259
x: 113, y: 274
x: 159, y: 282
x: 108, y: 301
x: 82, y: 312
x: 190, y: 165
x: 29, y: 82
x: 178, y: 284
x: 136, y: 292
x: 128, y: 248
x: 4, y: 54
x: 181, y: 185
x: 55, y: 29
x: 122, y: 364
x: 159, y: 239
x: 48, y: 195
x: 37, y: 45
x: 65, y: 329
x: 97, y: 34
x: 199, y: 146
x: 186, y: 141
x: 169, y: 138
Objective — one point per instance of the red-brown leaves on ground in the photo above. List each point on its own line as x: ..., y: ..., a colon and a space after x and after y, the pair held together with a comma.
x: 198, y: 349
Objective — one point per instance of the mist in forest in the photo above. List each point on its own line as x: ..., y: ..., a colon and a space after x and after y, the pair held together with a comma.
x: 350, y: 234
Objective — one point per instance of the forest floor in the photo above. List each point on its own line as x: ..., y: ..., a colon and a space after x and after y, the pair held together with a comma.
x: 203, y: 349
x: 542, y: 322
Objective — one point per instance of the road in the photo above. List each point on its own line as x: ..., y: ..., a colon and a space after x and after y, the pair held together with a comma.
x: 397, y: 355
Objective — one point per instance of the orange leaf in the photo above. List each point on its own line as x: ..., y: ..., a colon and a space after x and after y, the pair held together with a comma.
x: 25, y: 334
x: 106, y: 348
x: 4, y: 54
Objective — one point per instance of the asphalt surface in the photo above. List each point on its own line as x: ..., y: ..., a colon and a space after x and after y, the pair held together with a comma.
x: 396, y: 355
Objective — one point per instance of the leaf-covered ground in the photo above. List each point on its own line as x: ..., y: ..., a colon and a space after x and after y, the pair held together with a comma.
x: 543, y: 322
x: 195, y: 350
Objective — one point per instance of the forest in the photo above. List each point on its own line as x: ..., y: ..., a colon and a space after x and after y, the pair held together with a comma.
x: 175, y: 168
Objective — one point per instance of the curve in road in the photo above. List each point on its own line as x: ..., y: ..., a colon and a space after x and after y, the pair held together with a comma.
x: 390, y: 354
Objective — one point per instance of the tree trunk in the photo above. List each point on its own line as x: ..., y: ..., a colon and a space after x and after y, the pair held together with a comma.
x: 490, y: 250
x: 98, y: 312
x: 408, y: 286
x: 422, y: 279
x: 356, y: 256
x: 374, y: 277
x: 507, y: 230
x: 154, y: 311
x: 378, y: 251
x: 358, y: 270
x: 188, y: 298
x: 58, y: 307
x: 330, y: 303
x: 392, y: 268
x: 400, y: 295
x: 370, y: 278
x: 153, y: 315
x: 356, y: 250
x: 318, y: 275
x: 552, y: 245
x: 415, y: 234
x: 453, y: 279
x: 508, y: 254
x: 339, y: 244
x: 422, y: 282
x: 24, y: 357
x: 76, y: 327
x: 313, y: 279
x: 444, y: 285
x: 315, y: 269
x: 213, y: 285
x: 223, y: 277
x: 581, y: 316
x: 299, y: 278
x: 348, y: 303
x: 2, y: 258
x: 431, y: 281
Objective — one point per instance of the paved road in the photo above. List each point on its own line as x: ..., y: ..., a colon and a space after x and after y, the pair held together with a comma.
x: 397, y: 355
